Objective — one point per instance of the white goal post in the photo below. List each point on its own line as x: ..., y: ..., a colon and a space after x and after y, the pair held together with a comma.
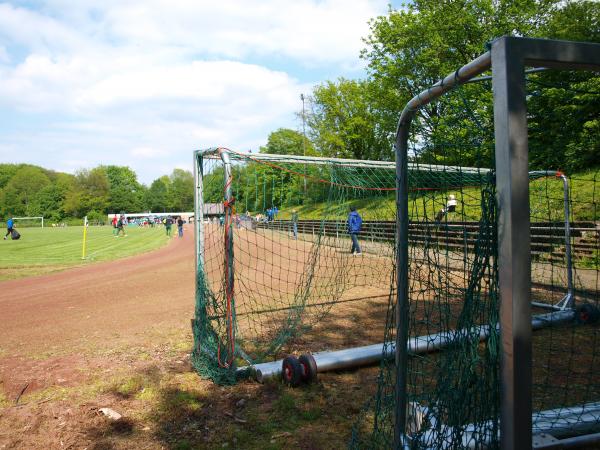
x: 30, y: 218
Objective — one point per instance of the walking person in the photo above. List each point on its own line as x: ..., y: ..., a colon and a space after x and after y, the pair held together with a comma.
x: 354, y: 226
x: 114, y: 224
x: 295, y: 223
x: 180, y: 227
x: 9, y: 227
x: 168, y: 224
x: 121, y: 226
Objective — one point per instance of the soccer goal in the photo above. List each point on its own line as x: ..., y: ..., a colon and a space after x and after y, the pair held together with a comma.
x: 495, y: 346
x: 276, y: 266
x: 29, y: 221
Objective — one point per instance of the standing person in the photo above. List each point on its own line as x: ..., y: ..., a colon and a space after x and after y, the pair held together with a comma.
x: 180, y: 226
x: 114, y: 224
x: 168, y: 224
x: 295, y: 223
x: 9, y: 227
x: 450, y: 207
x: 354, y: 226
x: 121, y: 226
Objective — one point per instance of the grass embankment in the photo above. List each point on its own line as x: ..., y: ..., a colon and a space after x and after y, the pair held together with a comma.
x: 546, y: 202
x: 44, y: 250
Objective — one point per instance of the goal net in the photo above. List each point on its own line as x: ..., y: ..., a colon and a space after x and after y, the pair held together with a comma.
x: 25, y: 222
x: 277, y: 270
x: 446, y: 393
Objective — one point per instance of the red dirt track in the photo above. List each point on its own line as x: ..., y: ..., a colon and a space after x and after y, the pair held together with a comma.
x: 64, y: 314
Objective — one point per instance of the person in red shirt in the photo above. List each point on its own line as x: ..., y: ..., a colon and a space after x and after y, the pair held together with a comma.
x: 114, y: 224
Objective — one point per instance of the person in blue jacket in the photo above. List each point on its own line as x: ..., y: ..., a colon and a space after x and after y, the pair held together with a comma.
x: 9, y: 227
x: 354, y: 226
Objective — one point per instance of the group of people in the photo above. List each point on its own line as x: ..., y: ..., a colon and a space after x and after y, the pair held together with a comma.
x: 120, y: 223
x: 169, y: 221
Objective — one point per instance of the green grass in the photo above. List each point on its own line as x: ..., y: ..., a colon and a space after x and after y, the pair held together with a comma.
x: 51, y: 249
x: 546, y: 202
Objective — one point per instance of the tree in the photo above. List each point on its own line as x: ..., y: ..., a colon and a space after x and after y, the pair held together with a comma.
x: 157, y: 196
x: 18, y: 196
x: 288, y: 142
x: 343, y: 123
x: 90, y: 192
x: 181, y: 192
x: 7, y: 171
x: 124, y: 189
x: 411, y: 49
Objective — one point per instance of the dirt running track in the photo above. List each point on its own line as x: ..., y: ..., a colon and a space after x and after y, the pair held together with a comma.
x: 59, y: 317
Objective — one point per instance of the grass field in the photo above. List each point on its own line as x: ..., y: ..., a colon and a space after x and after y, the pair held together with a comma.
x: 44, y: 250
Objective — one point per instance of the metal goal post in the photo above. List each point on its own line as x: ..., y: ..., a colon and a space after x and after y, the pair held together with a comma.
x: 507, y: 58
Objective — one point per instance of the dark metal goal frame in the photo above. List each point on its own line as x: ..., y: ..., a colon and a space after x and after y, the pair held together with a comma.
x: 507, y: 58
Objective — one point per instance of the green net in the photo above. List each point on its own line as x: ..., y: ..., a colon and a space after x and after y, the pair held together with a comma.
x: 453, y: 385
x: 277, y: 271
x: 289, y: 251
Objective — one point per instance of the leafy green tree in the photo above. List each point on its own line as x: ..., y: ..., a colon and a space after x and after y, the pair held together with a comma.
x: 157, y: 196
x: 7, y: 171
x: 181, y: 192
x: 18, y: 196
x: 410, y: 49
x: 288, y: 142
x: 124, y: 189
x: 343, y: 123
x: 90, y: 192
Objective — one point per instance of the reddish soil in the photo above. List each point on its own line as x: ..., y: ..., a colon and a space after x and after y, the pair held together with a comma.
x: 50, y: 322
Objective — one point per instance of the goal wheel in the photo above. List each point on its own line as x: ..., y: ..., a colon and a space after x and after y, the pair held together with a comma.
x: 291, y: 371
x: 587, y: 313
x: 309, y: 368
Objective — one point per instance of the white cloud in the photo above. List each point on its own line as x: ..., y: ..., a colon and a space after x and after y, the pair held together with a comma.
x: 146, y: 152
x: 145, y: 83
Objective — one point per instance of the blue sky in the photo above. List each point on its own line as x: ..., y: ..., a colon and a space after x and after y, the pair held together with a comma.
x: 144, y: 83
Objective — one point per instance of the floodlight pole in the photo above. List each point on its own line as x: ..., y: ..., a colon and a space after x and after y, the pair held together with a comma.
x: 303, y: 138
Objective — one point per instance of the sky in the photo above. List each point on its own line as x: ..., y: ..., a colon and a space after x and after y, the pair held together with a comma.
x: 145, y: 83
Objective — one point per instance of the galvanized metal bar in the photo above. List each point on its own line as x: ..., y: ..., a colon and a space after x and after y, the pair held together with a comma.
x: 569, y: 300
x: 391, y: 165
x: 580, y: 441
x: 199, y: 209
x: 471, y: 70
x: 514, y: 255
x: 489, y: 77
x: 557, y: 423
x: 402, y: 284
x: 371, y: 354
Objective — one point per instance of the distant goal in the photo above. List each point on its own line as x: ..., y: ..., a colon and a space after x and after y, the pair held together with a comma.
x: 26, y: 222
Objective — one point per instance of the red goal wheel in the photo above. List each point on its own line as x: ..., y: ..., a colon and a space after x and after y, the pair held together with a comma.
x: 291, y: 371
x: 587, y: 313
x: 309, y: 368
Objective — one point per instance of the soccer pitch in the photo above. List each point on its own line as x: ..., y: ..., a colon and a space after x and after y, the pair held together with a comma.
x: 44, y: 250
